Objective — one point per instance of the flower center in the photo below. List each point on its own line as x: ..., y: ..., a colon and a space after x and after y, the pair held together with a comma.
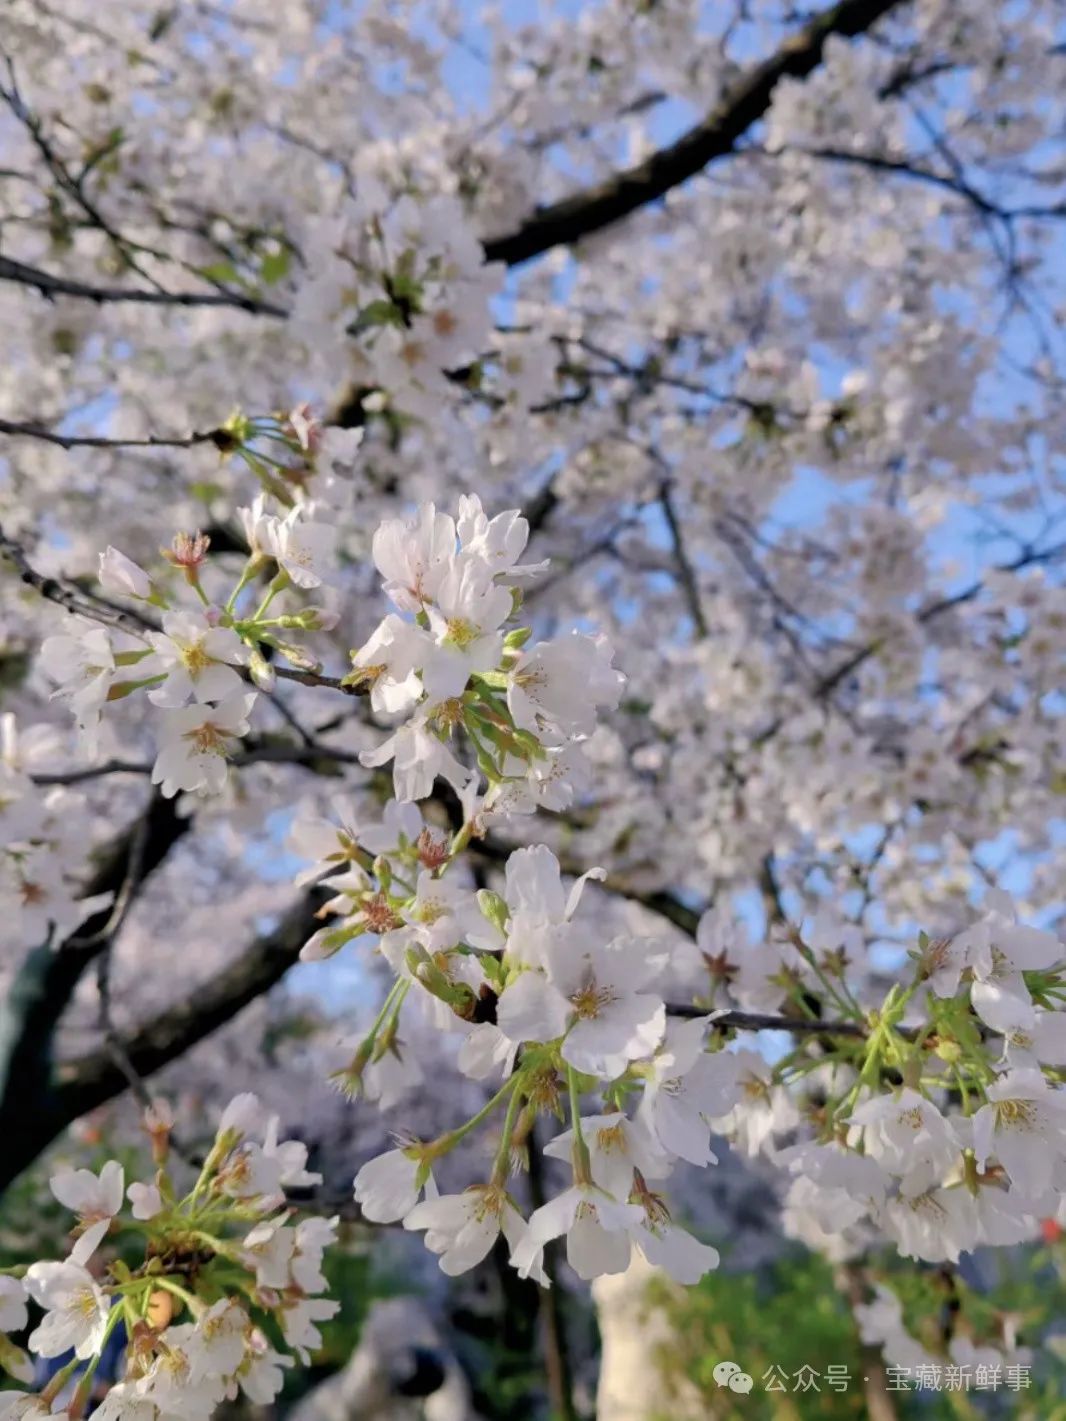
x: 412, y: 353
x: 207, y: 739
x: 926, y: 1204
x: 462, y: 632
x: 445, y: 323
x: 432, y: 852
x: 379, y: 915
x: 611, y: 1139
x: 529, y: 678
x: 1016, y: 1114
x: 591, y: 1000
x: 194, y: 658
x: 489, y: 1203
x: 83, y: 1302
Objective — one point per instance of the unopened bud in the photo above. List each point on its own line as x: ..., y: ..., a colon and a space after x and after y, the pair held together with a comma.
x: 261, y: 671
x: 493, y: 908
x: 456, y: 995
x: 320, y: 619
x: 297, y: 656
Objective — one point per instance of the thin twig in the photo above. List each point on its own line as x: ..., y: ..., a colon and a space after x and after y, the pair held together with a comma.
x: 30, y: 429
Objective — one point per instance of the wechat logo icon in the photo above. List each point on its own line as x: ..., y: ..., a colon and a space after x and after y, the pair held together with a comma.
x: 729, y: 1374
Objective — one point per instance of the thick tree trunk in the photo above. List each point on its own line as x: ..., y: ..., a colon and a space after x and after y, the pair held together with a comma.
x: 635, y: 1333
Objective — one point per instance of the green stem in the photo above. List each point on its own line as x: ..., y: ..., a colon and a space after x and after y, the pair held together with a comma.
x: 251, y: 567
x: 501, y: 1164
x: 447, y: 1142
x: 192, y: 1302
x: 582, y: 1163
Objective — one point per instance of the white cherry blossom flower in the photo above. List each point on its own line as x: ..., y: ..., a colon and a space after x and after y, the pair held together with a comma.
x: 462, y: 1228
x: 414, y: 556
x: 269, y: 1249
x: 298, y: 1319
x: 1023, y: 1126
x: 667, y: 1246
x: 540, y: 907
x: 617, y: 1146
x: 261, y: 1374
x: 497, y: 542
x: 121, y: 577
x: 762, y: 1109
x: 83, y: 668
x: 390, y: 1185
x: 145, y: 1199
x: 999, y: 993
x: 194, y: 744
x: 312, y: 1237
x: 125, y: 1402
x: 76, y: 1310
x: 936, y: 1225
x: 306, y: 549
x: 216, y: 1346
x: 419, y: 756
x: 904, y: 1130
x: 390, y: 661
x: 594, y: 998
x: 465, y: 621
x: 13, y: 1312
x: 197, y: 658
x: 563, y: 683
x: 684, y: 1089
x: 597, y: 1230
x: 96, y: 1199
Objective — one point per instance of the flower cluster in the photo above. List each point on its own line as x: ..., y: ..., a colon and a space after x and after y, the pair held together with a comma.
x: 222, y: 1266
x: 446, y: 659
x: 946, y: 1128
x: 43, y: 836
x: 932, y: 1116
x: 400, y: 288
x: 195, y: 665
x: 535, y: 996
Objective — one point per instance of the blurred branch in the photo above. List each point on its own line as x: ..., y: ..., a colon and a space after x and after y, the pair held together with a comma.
x: 96, y: 1078
x: 31, y: 1113
x: 40, y: 1099
x: 50, y: 285
x: 29, y: 429
x: 578, y: 216
x: 71, y: 597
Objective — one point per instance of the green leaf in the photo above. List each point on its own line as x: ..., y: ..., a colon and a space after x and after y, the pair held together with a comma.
x: 275, y: 266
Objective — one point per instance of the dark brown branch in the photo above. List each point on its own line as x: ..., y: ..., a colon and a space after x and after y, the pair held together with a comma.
x: 30, y: 1110
x: 100, y: 609
x: 765, y: 1021
x: 96, y: 1078
x: 29, y: 429
x: 686, y: 573
x: 51, y: 285
x: 71, y: 597
x: 568, y: 221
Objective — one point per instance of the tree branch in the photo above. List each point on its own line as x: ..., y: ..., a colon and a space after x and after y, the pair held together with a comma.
x: 30, y: 1111
x: 50, y: 286
x: 566, y: 222
x: 96, y: 1078
x: 29, y: 429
